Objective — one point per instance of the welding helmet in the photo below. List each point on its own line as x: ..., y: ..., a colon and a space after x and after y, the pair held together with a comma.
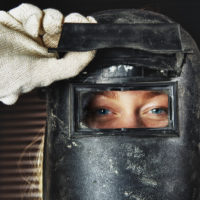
x: 91, y: 151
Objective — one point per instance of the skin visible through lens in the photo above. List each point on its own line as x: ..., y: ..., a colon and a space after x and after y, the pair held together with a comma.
x: 127, y: 109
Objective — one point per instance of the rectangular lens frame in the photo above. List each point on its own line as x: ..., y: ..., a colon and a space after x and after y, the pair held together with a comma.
x: 79, y: 130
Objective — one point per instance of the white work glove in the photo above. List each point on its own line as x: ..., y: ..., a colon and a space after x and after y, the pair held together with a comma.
x: 26, y: 33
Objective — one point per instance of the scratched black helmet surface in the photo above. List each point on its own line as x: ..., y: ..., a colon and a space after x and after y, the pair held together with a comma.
x: 127, y: 127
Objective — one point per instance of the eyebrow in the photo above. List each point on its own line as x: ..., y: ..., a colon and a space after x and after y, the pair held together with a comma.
x: 152, y: 94
x: 114, y: 94
x: 110, y: 94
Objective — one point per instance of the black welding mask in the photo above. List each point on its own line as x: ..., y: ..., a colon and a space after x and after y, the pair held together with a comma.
x: 127, y: 127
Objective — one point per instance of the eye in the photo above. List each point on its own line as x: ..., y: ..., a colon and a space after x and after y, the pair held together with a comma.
x: 158, y: 111
x: 102, y: 111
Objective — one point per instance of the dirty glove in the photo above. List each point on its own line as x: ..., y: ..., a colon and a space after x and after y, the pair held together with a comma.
x: 26, y: 33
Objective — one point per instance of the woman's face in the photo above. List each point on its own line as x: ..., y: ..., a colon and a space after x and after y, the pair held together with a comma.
x: 127, y: 109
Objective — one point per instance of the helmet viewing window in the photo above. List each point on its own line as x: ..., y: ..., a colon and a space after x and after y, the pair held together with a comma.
x: 102, y: 108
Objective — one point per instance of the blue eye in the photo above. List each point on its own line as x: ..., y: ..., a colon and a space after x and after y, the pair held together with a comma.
x: 158, y: 111
x: 103, y: 111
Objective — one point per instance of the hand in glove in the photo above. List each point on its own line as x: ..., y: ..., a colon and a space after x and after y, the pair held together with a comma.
x: 26, y: 33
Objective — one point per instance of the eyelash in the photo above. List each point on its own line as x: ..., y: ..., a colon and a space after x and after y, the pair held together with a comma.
x: 163, y: 111
x: 103, y: 111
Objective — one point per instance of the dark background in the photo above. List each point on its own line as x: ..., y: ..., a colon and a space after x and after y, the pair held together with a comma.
x: 22, y: 125
x: 185, y: 12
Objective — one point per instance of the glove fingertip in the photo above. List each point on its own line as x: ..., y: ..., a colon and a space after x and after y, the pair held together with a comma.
x: 91, y: 19
x: 24, y: 11
x: 32, y: 26
x: 52, y: 21
x: 29, y: 16
x: 75, y: 18
x: 9, y: 100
